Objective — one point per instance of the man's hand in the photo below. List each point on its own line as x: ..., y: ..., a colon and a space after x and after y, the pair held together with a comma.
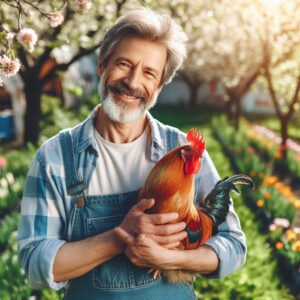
x: 143, y: 251
x: 155, y: 226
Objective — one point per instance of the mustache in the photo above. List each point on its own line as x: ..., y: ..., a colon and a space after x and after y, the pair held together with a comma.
x: 121, y: 87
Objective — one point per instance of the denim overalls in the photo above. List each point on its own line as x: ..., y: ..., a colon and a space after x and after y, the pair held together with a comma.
x: 117, y: 278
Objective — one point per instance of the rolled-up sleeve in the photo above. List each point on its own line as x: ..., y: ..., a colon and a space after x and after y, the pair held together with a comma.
x: 230, y: 247
x: 41, y: 225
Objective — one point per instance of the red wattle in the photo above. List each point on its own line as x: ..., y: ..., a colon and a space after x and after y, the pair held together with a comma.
x: 189, y: 167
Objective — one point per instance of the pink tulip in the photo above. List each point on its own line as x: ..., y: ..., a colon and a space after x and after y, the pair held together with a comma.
x: 3, y: 162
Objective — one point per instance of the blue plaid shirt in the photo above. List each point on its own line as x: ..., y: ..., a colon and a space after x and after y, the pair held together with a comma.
x: 46, y: 205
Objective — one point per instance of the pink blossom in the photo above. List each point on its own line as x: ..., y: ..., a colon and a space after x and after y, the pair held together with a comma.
x: 280, y: 222
x: 56, y: 18
x: 1, y: 82
x: 8, y: 66
x: 28, y: 38
x: 3, y: 162
x: 83, y: 4
x: 273, y: 227
x: 10, y: 37
x: 297, y: 230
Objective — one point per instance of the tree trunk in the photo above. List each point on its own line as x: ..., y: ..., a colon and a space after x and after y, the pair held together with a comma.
x: 284, y: 122
x: 193, y: 93
x: 33, y: 93
x: 193, y: 86
x: 237, y: 112
x: 233, y: 109
x: 228, y: 110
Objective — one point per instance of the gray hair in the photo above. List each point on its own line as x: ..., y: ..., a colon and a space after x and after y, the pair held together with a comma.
x: 147, y: 24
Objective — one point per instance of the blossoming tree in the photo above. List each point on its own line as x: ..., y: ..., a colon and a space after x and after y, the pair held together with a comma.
x: 30, y: 30
x: 225, y: 49
x: 281, y: 62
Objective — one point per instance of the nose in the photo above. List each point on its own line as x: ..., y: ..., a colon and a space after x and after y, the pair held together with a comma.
x: 133, y: 79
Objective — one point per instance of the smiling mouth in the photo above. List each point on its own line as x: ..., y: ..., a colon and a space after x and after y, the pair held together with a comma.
x: 128, y: 96
x: 125, y: 95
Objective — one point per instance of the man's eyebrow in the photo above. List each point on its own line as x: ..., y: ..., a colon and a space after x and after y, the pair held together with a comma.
x: 156, y: 72
x: 123, y: 58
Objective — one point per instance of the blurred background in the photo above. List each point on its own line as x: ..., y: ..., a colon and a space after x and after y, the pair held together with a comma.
x: 239, y: 85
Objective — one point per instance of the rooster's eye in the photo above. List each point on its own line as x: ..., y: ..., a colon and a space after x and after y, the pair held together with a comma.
x: 188, y: 150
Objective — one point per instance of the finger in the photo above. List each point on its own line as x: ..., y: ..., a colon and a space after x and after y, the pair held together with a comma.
x: 171, y: 245
x: 168, y: 228
x: 172, y: 238
x: 124, y: 236
x: 144, y: 204
x: 144, y: 241
x: 163, y: 218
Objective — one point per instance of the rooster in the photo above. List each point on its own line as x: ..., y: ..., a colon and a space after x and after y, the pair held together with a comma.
x: 171, y: 184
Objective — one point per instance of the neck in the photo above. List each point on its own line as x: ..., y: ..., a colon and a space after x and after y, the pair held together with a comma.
x: 116, y: 132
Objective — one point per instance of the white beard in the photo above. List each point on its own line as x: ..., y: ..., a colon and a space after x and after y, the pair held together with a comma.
x: 120, y: 112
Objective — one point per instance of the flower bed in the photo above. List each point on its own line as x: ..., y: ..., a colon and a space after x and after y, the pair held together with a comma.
x: 10, y: 189
x: 269, y: 149
x: 271, y: 200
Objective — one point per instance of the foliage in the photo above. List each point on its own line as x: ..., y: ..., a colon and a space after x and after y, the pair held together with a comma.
x: 12, y: 277
x: 7, y: 225
x: 272, y: 200
x: 54, y: 117
x: 267, y: 145
x: 19, y: 161
x: 243, y: 284
x: 271, y: 122
x: 280, y: 202
x: 28, y: 44
x: 10, y: 189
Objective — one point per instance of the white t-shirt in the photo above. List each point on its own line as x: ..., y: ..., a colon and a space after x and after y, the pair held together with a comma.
x: 121, y: 168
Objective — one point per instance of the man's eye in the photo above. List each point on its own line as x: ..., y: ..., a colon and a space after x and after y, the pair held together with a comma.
x: 150, y: 74
x: 124, y: 64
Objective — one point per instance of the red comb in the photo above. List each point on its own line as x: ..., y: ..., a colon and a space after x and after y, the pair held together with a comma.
x: 196, y: 139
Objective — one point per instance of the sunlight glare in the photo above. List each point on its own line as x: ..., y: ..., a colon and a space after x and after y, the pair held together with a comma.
x: 272, y: 2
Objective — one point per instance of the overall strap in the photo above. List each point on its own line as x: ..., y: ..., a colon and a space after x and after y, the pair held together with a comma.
x: 75, y: 186
x: 172, y: 138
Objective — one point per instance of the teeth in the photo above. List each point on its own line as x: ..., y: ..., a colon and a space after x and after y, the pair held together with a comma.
x: 129, y: 97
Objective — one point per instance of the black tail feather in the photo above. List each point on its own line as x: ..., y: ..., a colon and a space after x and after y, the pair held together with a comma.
x: 216, y: 203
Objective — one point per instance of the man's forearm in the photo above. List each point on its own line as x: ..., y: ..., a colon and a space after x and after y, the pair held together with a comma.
x: 203, y: 260
x: 74, y: 259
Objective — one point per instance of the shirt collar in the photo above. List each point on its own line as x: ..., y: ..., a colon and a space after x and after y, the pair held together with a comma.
x: 86, y: 137
x: 157, y: 138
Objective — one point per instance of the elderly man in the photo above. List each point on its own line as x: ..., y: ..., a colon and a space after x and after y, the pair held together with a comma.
x: 84, y: 182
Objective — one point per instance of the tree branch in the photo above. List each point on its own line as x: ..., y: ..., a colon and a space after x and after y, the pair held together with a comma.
x: 249, y: 82
x: 57, y: 30
x: 295, y: 99
x: 119, y: 7
x: 23, y: 57
x: 63, y: 67
x: 272, y: 92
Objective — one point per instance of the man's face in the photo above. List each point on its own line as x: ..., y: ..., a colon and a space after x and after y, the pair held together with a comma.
x: 131, y: 82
